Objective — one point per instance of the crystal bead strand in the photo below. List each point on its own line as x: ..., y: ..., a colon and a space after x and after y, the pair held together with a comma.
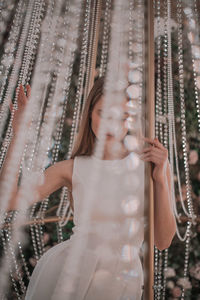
x: 165, y: 91
x: 159, y: 275
x: 196, y: 88
x: 172, y: 131
x: 46, y: 39
x: 1, y: 10
x: 158, y: 133
x: 156, y: 263
x: 105, y: 39
x: 67, y: 64
x: 66, y: 89
x: 10, y: 46
x: 165, y: 110
x: 8, y: 56
x: 183, y: 120
x: 26, y: 75
x: 23, y: 260
x: 6, y: 8
x: 15, y: 263
x: 22, y: 139
x: 36, y: 234
x: 141, y: 41
x: 139, y: 50
x: 135, y: 51
x: 9, y: 238
x: 3, y: 111
x: 38, y: 228
x: 59, y: 129
x: 165, y: 266
x: 4, y: 281
x: 195, y: 61
x: 82, y: 70
x: 64, y: 201
x: 131, y: 30
x: 15, y: 71
x: 170, y: 93
x: 10, y: 255
x: 193, y: 36
x: 158, y: 255
x: 92, y: 31
x: 135, y: 74
x: 186, y: 165
x: 159, y: 116
x: 9, y: 180
x: 32, y: 42
x: 186, y: 261
x: 158, y: 285
x: 156, y: 252
x: 30, y: 50
x: 64, y: 211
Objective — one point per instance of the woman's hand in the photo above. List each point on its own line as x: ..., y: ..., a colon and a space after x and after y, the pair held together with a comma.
x: 158, y: 155
x: 21, y: 103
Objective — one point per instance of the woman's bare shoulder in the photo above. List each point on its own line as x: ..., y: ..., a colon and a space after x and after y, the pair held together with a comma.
x: 66, y: 168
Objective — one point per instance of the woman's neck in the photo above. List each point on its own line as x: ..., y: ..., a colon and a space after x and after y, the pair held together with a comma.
x: 112, y: 156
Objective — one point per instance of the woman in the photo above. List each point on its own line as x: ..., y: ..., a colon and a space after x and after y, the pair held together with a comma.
x: 67, y: 173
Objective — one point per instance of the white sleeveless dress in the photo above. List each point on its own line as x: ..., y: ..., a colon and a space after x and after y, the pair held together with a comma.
x: 104, y: 275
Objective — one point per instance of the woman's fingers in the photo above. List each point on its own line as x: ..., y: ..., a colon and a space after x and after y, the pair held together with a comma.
x: 151, y: 141
x: 23, y: 95
x: 158, y: 143
x: 154, y: 141
x: 150, y: 149
x: 28, y: 89
x: 152, y: 157
x: 11, y: 106
x: 22, y: 98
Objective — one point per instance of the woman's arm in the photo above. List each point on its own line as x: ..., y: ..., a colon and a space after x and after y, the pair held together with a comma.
x: 5, y: 168
x: 55, y: 176
x: 164, y: 220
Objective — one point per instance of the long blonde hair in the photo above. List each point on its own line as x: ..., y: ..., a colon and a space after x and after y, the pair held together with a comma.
x: 85, y: 139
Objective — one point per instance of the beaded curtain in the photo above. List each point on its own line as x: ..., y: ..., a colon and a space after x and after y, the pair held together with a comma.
x: 49, y: 40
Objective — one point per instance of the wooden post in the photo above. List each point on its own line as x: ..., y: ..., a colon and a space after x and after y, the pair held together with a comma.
x: 149, y: 132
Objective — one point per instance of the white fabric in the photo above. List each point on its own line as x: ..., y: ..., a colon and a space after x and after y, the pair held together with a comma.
x: 110, y: 267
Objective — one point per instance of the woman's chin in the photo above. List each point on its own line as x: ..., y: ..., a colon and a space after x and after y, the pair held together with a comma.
x: 108, y: 135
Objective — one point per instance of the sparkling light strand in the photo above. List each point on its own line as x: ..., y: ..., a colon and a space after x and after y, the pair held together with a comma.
x: 76, y: 114
x: 15, y: 70
x: 105, y: 39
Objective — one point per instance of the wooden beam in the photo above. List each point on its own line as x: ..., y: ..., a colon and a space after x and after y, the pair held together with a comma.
x: 149, y: 132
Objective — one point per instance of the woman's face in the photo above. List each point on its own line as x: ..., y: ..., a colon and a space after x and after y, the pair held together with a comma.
x: 96, y: 117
